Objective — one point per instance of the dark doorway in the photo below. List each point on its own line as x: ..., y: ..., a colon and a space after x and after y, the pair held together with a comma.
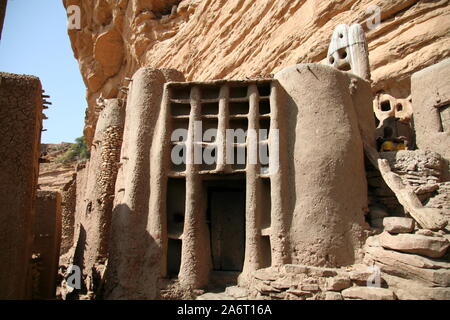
x: 227, y: 216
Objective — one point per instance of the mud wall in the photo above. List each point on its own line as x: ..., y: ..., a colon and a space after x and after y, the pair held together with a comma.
x: 46, y: 245
x: 325, y: 110
x: 431, y: 101
x: 95, y: 195
x: 20, y: 132
x: 68, y: 203
x: 134, y: 256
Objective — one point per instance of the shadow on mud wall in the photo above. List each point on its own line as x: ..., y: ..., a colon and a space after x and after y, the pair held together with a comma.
x: 78, y: 260
x: 134, y: 261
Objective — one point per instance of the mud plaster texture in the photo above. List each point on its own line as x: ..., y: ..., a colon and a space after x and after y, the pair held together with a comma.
x: 327, y: 123
x: 134, y: 256
x: 95, y: 196
x: 46, y: 246
x: 20, y: 131
x: 324, y: 149
x: 431, y: 94
x: 68, y: 208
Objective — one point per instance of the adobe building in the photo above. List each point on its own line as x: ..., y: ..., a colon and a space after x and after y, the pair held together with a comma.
x: 175, y: 220
x: 301, y: 206
x: 20, y: 132
x: 94, y: 190
x: 395, y: 121
x: 431, y: 100
x: 46, y: 245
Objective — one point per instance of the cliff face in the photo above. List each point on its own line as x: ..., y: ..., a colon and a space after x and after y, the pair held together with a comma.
x: 53, y: 175
x: 214, y: 39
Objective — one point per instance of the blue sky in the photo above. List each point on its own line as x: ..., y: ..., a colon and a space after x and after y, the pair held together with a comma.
x: 35, y: 41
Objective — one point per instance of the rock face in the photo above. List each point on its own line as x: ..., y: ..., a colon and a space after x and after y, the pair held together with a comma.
x: 208, y: 40
x: 368, y: 293
x: 299, y: 282
x: 2, y: 16
x: 433, y: 247
x: 398, y: 225
x: 53, y: 175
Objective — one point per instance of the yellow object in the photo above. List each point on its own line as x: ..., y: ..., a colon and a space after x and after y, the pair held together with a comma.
x: 391, y: 146
x: 387, y: 146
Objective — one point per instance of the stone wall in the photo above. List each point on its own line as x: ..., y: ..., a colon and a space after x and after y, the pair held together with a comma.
x: 20, y: 132
x: 422, y: 171
x: 404, y: 262
x: 414, y: 261
x: 299, y: 282
x: 46, y: 246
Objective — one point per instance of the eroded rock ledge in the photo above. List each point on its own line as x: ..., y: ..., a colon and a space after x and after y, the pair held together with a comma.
x: 221, y: 39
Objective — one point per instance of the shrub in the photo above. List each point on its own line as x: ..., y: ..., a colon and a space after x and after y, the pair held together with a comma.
x: 77, y: 152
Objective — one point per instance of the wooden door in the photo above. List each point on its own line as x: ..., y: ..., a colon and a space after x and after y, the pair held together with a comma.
x: 228, y: 230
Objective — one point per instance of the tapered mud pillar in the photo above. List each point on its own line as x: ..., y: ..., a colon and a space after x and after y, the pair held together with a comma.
x: 327, y: 112
x: 279, y: 239
x: 195, y: 266
x: 137, y: 238
x: 252, y: 260
x: 160, y: 167
x: 224, y: 115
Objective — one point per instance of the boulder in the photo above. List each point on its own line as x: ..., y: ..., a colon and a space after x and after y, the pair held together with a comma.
x: 311, y: 287
x: 307, y: 270
x: 368, y: 293
x: 338, y: 283
x: 433, y: 247
x: 409, y: 266
x: 333, y: 296
x: 236, y: 292
x: 406, y: 289
x: 391, y: 257
x: 360, y: 277
x: 398, y: 225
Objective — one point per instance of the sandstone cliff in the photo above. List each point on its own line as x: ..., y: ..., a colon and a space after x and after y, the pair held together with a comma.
x: 213, y: 39
x: 54, y: 175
